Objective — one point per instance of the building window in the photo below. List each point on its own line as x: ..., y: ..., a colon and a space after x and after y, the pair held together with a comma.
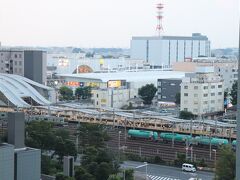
x: 205, y: 102
x: 15, y: 55
x: 97, y: 102
x: 195, y: 87
x: 185, y: 109
x: 164, y: 97
x: 20, y: 70
x: 185, y: 94
x: 195, y: 102
x: 172, y: 84
x: 219, y: 93
x: 212, y: 101
x: 15, y: 70
x: 195, y: 95
x: 219, y: 86
x: 20, y: 63
x: 97, y: 95
x: 20, y: 56
x: 185, y: 87
x: 212, y: 109
x: 219, y: 100
x: 195, y: 110
x: 212, y: 94
x: 185, y: 102
x: 205, y: 87
x: 15, y: 63
x: 212, y: 87
x: 205, y: 95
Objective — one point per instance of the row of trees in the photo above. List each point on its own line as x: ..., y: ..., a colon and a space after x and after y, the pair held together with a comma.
x: 97, y: 162
x: 66, y: 93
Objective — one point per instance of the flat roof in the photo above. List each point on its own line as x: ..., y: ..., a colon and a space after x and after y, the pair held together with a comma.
x: 128, y: 76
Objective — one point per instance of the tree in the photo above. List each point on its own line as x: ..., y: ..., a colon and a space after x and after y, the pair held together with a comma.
x: 62, y: 177
x: 83, y: 92
x: 147, y: 93
x: 233, y: 93
x: 226, y: 164
x: 186, y: 115
x: 178, y: 98
x: 82, y: 174
x: 114, y: 177
x: 40, y: 134
x: 66, y: 93
x: 129, y: 174
x: 103, y: 171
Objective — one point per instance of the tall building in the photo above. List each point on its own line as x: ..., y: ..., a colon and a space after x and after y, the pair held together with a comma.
x: 68, y: 166
x: 165, y: 50
x: 28, y: 63
x: 202, y: 92
x: 6, y: 161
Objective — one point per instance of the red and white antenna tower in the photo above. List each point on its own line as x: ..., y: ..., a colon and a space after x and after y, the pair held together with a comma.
x: 159, y: 27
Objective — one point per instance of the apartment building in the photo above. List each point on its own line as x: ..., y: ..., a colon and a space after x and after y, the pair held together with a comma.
x: 202, y: 92
x: 28, y: 63
x: 227, y: 69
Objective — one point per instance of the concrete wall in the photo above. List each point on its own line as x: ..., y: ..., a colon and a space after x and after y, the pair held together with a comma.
x: 6, y: 162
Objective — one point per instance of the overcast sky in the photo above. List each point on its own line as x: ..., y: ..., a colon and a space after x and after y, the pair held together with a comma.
x: 112, y: 23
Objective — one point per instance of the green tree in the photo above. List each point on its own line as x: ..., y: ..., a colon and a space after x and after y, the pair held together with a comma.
x: 233, y: 93
x: 82, y: 174
x: 48, y: 166
x: 226, y: 164
x: 92, y: 135
x: 103, y: 171
x: 83, y: 92
x: 147, y: 93
x: 62, y: 177
x: 64, y: 146
x: 114, y: 177
x: 66, y: 93
x: 129, y: 174
x: 178, y: 98
x: 40, y: 134
x: 186, y: 115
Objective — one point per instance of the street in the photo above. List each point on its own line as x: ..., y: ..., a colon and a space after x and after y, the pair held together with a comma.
x: 160, y: 172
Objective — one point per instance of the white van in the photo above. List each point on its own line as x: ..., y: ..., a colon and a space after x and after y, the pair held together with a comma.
x: 188, y: 167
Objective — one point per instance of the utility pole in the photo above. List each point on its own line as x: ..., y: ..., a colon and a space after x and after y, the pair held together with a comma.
x: 238, y: 113
x: 173, y: 135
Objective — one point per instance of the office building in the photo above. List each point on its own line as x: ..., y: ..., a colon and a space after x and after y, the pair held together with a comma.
x: 202, y: 92
x: 167, y: 89
x: 6, y: 161
x: 27, y: 163
x: 165, y: 50
x: 27, y: 63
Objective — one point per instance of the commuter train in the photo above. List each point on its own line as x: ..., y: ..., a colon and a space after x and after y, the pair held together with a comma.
x: 181, y: 138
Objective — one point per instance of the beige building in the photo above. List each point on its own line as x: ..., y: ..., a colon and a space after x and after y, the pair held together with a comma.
x: 115, y: 98
x: 202, y: 92
x: 224, y: 68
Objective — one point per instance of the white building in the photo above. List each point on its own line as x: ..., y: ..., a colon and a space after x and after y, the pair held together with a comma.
x: 165, y: 50
x: 202, y: 92
x: 225, y: 68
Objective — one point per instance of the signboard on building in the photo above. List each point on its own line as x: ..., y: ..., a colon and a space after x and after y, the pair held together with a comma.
x: 116, y: 83
x: 73, y: 83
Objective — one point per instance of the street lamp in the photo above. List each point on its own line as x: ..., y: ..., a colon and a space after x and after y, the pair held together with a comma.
x: 119, y: 133
x: 146, y: 164
x: 215, y: 159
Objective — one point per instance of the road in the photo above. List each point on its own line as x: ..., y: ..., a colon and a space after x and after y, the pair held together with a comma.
x: 159, y: 172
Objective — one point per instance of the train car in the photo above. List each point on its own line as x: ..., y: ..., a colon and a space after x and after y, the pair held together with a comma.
x: 205, y: 140
x: 143, y: 134
x: 177, y: 137
x: 234, y: 144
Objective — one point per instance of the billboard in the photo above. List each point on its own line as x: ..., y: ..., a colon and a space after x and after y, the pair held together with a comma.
x: 114, y: 84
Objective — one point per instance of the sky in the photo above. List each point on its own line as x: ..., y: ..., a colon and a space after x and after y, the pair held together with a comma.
x: 112, y: 23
